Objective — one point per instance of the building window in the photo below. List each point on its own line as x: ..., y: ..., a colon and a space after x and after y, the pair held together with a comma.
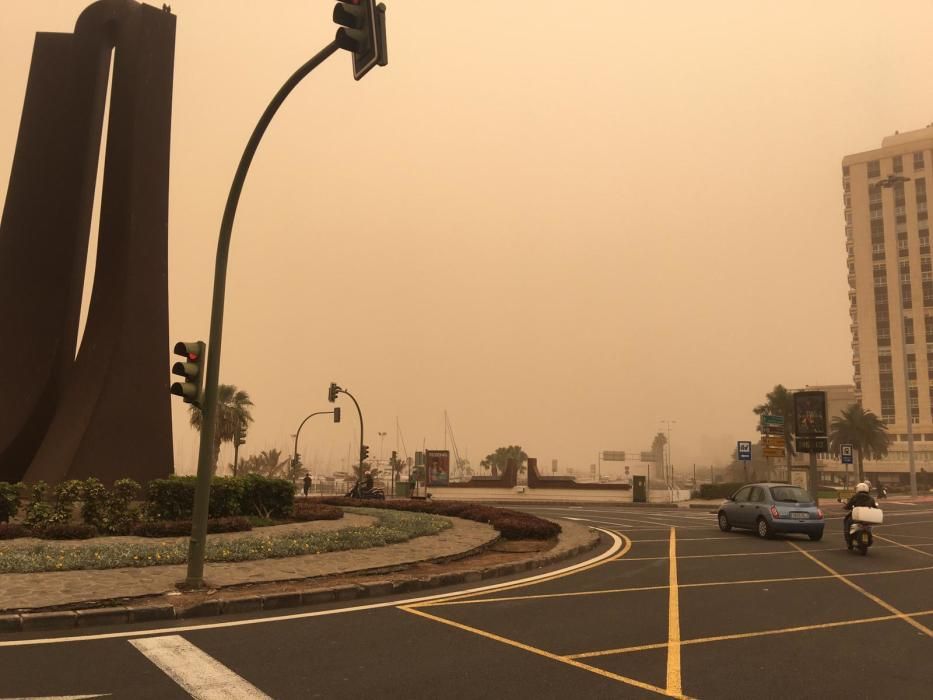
x: 918, y: 160
x: 845, y: 171
x: 911, y: 366
x: 909, y: 336
x: 920, y: 189
x: 874, y: 166
x: 927, y: 293
x: 906, y: 300
x: 898, y: 164
x: 877, y: 228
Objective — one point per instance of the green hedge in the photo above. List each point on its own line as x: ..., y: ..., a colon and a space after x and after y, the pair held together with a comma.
x: 173, y: 498
x: 719, y: 490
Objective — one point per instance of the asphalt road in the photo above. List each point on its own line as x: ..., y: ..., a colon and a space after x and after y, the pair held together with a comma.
x: 671, y: 606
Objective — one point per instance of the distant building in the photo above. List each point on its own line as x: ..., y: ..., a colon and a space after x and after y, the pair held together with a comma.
x: 890, y: 278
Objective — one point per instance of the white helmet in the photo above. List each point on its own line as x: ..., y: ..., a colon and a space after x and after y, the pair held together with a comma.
x: 861, y: 488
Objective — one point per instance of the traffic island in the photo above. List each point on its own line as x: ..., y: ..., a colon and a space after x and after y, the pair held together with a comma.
x: 466, y: 552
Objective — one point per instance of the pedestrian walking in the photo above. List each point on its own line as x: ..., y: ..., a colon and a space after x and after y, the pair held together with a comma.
x: 307, y: 484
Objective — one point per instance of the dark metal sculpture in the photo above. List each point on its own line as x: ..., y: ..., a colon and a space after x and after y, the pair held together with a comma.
x: 105, y: 413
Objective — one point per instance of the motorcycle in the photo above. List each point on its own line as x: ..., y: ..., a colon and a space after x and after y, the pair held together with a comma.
x: 359, y: 490
x: 860, y: 529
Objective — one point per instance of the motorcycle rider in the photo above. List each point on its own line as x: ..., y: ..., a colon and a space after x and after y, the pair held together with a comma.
x: 368, y: 482
x: 862, y: 497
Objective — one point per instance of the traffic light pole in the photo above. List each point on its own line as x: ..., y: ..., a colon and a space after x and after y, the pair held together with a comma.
x: 298, y: 432
x: 196, y: 547
x: 344, y: 391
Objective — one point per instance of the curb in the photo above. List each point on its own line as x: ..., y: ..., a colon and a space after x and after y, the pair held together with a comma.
x: 118, y: 615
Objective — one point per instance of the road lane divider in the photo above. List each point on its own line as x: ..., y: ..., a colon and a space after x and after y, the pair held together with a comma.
x: 906, y: 546
x: 674, y: 681
x: 419, y: 611
x: 871, y: 596
x: 201, y: 675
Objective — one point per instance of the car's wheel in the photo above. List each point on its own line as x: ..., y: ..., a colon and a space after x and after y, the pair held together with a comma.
x: 816, y: 536
x: 764, y: 529
x: 724, y: 523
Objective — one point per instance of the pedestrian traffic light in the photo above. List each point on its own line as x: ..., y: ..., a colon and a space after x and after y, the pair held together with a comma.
x: 332, y: 392
x: 336, y: 414
x: 191, y: 369
x: 362, y: 32
x: 239, y: 437
x: 364, y: 452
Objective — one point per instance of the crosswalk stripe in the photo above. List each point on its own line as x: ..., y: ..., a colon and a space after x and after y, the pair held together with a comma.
x: 202, y: 676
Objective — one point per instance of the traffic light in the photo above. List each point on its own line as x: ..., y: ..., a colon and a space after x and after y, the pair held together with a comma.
x: 239, y: 437
x: 191, y: 369
x: 332, y: 393
x: 363, y: 33
x: 364, y: 453
x: 336, y: 414
x: 296, y: 462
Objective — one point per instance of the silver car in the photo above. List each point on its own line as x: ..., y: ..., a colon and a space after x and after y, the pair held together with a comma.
x: 772, y: 508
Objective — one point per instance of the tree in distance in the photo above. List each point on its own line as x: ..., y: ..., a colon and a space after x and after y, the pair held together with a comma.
x: 232, y: 411
x: 498, y: 460
x: 863, y: 430
x: 271, y: 463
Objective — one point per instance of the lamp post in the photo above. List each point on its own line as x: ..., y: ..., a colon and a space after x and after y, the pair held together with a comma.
x: 301, y: 425
x: 334, y: 390
x: 669, y: 471
x: 887, y: 183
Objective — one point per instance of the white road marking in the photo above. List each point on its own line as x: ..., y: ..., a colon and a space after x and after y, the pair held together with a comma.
x: 201, y: 675
x: 62, y: 697
x: 617, y: 544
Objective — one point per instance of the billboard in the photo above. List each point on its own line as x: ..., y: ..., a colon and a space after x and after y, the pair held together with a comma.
x: 438, y: 463
x: 810, y: 413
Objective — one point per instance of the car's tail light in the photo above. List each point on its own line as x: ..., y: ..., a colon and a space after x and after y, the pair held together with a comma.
x: 819, y: 513
x: 774, y: 512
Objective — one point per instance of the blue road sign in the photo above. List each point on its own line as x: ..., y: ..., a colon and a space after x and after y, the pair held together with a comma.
x: 846, y: 451
x: 744, y: 450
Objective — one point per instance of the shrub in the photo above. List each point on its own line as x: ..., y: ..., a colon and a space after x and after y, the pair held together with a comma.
x: 10, y: 531
x: 64, y: 497
x: 38, y: 512
x: 226, y: 497
x: 67, y: 531
x: 111, y: 511
x: 511, y: 524
x: 268, y: 498
x: 10, y: 500
x: 170, y: 499
x: 181, y: 528
x: 315, y: 511
x: 94, y: 505
x: 723, y: 490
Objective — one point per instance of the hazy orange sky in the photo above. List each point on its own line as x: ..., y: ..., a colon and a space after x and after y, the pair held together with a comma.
x: 562, y: 223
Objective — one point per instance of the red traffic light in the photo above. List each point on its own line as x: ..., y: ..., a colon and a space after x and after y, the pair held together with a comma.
x: 193, y: 357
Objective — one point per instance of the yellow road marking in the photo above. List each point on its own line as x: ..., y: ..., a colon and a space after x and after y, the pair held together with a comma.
x: 541, y: 652
x: 674, y: 685
x: 636, y: 589
x: 507, y: 587
x: 871, y: 596
x: 905, y: 546
x: 748, y: 635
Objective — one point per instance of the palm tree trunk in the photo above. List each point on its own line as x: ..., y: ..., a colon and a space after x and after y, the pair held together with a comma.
x: 216, y: 454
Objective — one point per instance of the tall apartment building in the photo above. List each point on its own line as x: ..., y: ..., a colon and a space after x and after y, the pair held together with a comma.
x: 890, y: 277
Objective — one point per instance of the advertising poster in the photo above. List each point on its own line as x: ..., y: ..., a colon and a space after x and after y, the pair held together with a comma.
x: 438, y: 463
x: 810, y: 413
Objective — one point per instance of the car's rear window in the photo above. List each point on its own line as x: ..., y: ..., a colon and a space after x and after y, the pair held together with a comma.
x: 790, y: 494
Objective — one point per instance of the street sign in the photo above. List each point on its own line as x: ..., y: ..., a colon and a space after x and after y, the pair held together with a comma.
x: 772, y: 452
x: 613, y: 456
x: 775, y: 441
x: 744, y: 450
x: 647, y: 456
x: 772, y: 420
x: 813, y: 444
x: 772, y: 430
x: 846, y: 451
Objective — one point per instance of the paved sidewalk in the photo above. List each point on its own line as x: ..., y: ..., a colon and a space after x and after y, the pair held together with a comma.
x: 28, y: 591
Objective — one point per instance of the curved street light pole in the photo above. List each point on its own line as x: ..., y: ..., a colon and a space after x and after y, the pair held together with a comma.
x: 301, y: 425
x: 341, y: 390
x: 195, y: 575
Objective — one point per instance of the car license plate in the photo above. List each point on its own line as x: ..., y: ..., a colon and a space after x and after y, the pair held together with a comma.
x: 800, y: 516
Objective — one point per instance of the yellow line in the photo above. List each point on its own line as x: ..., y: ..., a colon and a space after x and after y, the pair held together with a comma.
x: 507, y: 587
x: 542, y: 652
x: 905, y: 546
x: 747, y: 635
x: 637, y: 589
x: 674, y: 685
x: 872, y: 597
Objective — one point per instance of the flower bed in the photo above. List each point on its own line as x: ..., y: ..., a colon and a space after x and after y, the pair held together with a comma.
x: 391, y: 527
x: 511, y: 524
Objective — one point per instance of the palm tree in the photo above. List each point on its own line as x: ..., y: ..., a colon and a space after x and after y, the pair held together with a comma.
x: 863, y: 430
x: 232, y: 411
x: 780, y: 402
x: 271, y: 463
x: 498, y: 460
